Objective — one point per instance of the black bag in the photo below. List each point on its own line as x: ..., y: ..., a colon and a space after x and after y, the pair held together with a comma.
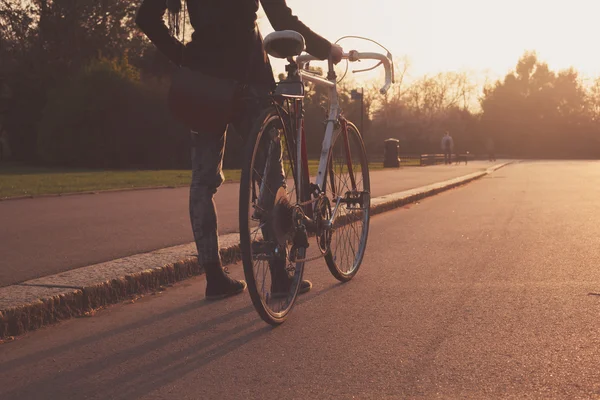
x: 201, y: 101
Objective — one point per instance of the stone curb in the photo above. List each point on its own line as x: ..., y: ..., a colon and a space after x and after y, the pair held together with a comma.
x: 32, y: 304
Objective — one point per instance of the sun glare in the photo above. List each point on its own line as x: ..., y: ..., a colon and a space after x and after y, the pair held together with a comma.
x: 483, y: 37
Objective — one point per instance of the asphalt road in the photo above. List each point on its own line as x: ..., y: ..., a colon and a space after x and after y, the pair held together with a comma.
x: 44, y: 236
x: 487, y: 291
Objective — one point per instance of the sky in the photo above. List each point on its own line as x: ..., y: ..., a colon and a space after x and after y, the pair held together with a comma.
x: 483, y: 37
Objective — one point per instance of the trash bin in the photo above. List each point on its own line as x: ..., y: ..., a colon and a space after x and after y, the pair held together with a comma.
x: 390, y: 154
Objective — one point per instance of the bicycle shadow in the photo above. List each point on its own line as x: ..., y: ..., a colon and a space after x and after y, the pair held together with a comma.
x: 168, y: 367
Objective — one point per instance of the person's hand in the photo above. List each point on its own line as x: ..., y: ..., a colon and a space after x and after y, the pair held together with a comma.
x: 336, y: 53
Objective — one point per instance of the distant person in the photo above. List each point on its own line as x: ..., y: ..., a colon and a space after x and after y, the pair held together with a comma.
x: 447, y: 147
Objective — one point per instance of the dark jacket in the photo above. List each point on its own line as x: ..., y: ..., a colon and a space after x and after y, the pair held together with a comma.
x: 225, y: 41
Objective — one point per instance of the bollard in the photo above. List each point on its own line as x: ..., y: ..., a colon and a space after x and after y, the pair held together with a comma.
x: 390, y: 154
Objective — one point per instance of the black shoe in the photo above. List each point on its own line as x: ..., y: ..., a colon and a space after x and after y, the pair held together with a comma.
x: 283, y: 289
x: 281, y: 280
x: 305, y: 286
x: 220, y: 287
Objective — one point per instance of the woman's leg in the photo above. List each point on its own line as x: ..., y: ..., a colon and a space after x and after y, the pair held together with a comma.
x: 207, y: 176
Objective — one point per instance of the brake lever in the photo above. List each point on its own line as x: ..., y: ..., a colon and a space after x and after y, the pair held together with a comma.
x: 390, y: 57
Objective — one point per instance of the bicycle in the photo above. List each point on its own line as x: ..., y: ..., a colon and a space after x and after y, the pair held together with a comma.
x: 280, y: 208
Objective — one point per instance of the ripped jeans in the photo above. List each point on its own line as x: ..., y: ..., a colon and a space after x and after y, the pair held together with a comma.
x: 207, y: 175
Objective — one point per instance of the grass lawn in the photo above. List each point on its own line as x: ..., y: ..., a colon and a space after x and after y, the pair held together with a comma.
x: 33, y: 181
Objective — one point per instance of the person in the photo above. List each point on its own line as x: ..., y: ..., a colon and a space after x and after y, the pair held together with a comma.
x: 447, y: 146
x: 225, y: 43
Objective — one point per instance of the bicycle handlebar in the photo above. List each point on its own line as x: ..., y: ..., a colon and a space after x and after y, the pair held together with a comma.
x: 354, y: 56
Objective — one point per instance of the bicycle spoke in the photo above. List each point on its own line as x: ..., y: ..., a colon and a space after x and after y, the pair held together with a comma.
x: 257, y: 229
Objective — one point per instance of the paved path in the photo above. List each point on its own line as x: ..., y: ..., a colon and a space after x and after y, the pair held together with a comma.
x: 485, y: 292
x: 49, y: 235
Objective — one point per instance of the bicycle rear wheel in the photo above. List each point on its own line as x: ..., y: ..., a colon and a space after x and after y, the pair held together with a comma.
x: 267, y: 198
x: 350, y: 192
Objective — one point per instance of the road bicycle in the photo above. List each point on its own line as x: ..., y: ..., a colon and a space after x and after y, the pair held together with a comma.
x: 281, y: 210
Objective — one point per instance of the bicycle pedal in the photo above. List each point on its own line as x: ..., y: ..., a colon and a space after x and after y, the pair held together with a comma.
x: 356, y: 198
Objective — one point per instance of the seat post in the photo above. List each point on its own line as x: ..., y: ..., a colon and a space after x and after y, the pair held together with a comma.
x: 292, y: 70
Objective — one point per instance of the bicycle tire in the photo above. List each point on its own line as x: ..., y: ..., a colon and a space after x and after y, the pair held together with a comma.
x: 272, y: 309
x: 346, y: 251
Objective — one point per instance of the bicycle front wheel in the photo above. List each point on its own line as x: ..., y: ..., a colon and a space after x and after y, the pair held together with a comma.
x: 348, y: 188
x: 268, y: 196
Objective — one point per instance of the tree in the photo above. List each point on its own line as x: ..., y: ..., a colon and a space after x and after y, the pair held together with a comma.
x: 535, y: 112
x: 418, y: 113
x: 45, y: 42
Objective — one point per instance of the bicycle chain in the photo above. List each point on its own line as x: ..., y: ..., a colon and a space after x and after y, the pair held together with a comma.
x: 305, y: 260
x: 306, y: 202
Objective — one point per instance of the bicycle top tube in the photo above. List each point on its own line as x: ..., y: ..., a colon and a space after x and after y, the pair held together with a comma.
x: 351, y: 56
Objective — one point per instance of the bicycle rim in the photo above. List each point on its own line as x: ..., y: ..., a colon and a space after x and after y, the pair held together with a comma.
x: 351, y: 226
x: 265, y: 256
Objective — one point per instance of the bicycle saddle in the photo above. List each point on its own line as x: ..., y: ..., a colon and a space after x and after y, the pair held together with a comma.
x: 284, y: 44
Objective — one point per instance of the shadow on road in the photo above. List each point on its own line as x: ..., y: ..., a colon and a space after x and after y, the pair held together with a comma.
x: 34, y: 358
x: 172, y: 356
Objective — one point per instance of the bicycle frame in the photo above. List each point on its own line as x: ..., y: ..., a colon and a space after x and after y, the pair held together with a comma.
x: 289, y: 223
x: 334, y: 117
